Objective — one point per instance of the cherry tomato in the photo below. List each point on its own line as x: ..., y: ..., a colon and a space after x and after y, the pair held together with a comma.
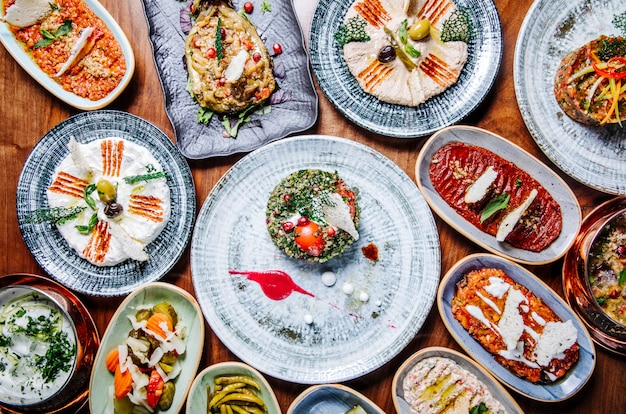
x: 309, y: 238
x: 248, y: 7
x: 278, y: 49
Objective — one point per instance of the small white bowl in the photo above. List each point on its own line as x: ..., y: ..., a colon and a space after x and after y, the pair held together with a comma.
x: 198, y: 396
x: 331, y: 398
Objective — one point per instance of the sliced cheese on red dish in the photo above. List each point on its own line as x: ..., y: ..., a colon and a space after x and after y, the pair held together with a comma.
x: 511, y: 219
x: 24, y: 13
x: 478, y: 190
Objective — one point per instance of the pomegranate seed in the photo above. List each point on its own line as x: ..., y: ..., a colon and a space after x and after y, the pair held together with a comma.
x: 288, y: 226
x: 211, y: 52
x: 248, y: 7
x: 256, y: 57
x: 330, y: 231
x: 278, y: 49
x: 223, y: 33
x: 287, y: 197
x: 303, y: 221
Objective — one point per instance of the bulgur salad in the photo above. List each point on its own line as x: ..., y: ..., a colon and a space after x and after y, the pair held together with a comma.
x: 69, y: 43
x: 313, y: 214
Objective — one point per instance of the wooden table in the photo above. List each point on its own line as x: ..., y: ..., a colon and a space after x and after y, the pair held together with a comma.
x: 28, y: 112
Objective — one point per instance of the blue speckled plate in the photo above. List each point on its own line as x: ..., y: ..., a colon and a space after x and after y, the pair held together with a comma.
x: 203, y: 141
x: 331, y: 398
x: 51, y: 250
x: 16, y: 49
x: 365, y: 110
x: 595, y: 156
x: 348, y: 337
x: 560, y: 390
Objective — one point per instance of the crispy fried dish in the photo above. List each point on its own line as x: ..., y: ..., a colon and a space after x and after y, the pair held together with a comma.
x: 229, y: 66
x: 516, y: 327
x: 590, y: 84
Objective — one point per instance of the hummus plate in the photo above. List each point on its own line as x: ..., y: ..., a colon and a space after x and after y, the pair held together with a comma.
x: 51, y: 250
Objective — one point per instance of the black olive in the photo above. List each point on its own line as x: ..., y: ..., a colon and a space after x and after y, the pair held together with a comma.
x: 386, y: 54
x: 113, y: 209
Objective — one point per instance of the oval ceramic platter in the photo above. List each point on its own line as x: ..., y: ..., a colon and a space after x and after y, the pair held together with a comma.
x: 574, y: 379
x: 295, y: 104
x: 198, y: 395
x: 74, y: 396
x: 595, y: 156
x: 188, y: 311
x: 51, y: 250
x: 16, y: 49
x: 498, y: 392
x: 347, y: 336
x: 570, y: 208
x: 331, y: 398
x: 365, y: 110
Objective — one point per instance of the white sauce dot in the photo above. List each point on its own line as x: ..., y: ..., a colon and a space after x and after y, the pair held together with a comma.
x: 328, y: 278
x: 378, y: 303
x: 308, y: 318
x: 364, y: 297
x: 348, y: 288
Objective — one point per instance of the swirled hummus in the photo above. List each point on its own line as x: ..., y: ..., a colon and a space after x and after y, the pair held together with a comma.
x: 107, y: 229
x: 438, y: 384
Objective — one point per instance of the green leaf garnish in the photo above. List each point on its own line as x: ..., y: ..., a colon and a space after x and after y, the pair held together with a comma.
x: 204, y: 115
x: 87, y: 195
x: 134, y: 179
x: 402, y: 31
x: 412, y: 51
x: 497, y: 204
x: 266, y: 6
x: 49, y: 38
x: 621, y: 279
x: 219, y: 45
x: 89, y: 227
x: 479, y: 409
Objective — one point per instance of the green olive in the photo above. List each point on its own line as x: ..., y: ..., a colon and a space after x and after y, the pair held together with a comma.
x: 419, y: 30
x: 106, y: 190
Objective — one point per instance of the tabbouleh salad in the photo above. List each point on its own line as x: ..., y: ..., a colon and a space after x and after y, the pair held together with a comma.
x: 313, y: 215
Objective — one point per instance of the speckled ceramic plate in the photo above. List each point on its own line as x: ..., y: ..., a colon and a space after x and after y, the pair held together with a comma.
x: 348, y: 337
x: 51, y: 250
x: 331, y: 398
x: 595, y: 156
x: 466, y: 363
x: 118, y: 329
x: 564, y: 388
x: 570, y: 208
x: 198, y: 395
x: 343, y: 90
x: 291, y: 68
x: 16, y: 49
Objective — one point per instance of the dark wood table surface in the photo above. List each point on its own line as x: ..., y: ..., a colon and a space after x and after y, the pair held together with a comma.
x: 27, y: 112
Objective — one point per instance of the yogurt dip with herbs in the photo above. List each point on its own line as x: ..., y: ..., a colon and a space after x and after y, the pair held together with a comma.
x: 37, y: 347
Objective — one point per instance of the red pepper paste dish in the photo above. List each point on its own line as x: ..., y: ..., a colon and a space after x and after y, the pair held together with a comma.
x: 313, y: 215
x: 496, y: 196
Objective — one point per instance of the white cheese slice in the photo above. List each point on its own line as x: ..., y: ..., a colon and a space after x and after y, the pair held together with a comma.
x: 513, y: 217
x: 76, y: 49
x: 24, y: 13
x: 337, y: 213
x: 235, y: 69
x: 479, y: 188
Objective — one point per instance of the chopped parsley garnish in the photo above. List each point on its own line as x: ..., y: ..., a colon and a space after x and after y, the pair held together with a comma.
x: 266, y: 6
x: 49, y: 38
x: 619, y: 21
x: 55, y: 215
x: 479, y: 409
x: 497, y: 204
x: 152, y: 174
x: 352, y: 31
x: 459, y: 26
